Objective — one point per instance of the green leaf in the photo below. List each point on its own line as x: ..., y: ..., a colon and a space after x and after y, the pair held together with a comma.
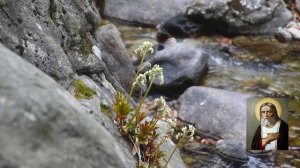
x: 121, y: 105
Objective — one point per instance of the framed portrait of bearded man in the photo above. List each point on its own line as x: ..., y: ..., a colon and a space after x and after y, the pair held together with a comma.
x: 267, y: 127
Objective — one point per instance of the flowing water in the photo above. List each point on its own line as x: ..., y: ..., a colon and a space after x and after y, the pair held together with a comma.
x: 263, y: 67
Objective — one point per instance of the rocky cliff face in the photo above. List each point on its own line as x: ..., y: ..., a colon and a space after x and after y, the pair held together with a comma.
x: 42, y: 125
x: 55, y: 36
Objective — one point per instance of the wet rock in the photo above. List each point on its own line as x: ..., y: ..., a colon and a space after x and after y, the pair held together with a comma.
x: 151, y: 12
x: 42, y: 125
x: 283, y: 35
x: 240, y: 16
x: 183, y: 65
x: 232, y: 151
x: 289, y: 32
x: 115, y: 55
x: 52, y: 35
x: 179, y: 26
x: 213, y: 110
x: 294, y: 32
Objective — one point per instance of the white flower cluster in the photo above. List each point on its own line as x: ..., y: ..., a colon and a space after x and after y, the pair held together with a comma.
x: 142, y: 79
x: 162, y: 106
x: 155, y: 72
x: 146, y: 47
x: 171, y: 122
x: 186, y: 131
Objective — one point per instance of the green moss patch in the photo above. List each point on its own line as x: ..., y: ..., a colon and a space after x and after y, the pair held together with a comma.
x: 82, y: 91
x: 105, y: 110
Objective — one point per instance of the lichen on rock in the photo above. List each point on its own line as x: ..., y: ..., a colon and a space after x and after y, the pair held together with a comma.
x: 82, y: 91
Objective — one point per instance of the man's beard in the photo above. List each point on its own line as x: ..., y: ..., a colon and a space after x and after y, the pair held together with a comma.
x: 268, y: 121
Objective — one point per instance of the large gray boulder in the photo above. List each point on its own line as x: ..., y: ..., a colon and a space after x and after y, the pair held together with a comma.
x: 241, y: 16
x: 42, y: 125
x: 217, y: 111
x: 183, y: 63
x: 55, y: 36
x: 100, y: 107
x: 151, y: 12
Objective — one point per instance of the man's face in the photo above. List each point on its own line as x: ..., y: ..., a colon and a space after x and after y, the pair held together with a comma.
x: 268, y: 118
x: 266, y: 111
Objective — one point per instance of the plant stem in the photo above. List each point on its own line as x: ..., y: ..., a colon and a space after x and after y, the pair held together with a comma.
x: 136, y: 75
x: 141, y: 101
x: 171, y: 156
x: 159, y: 145
x: 173, y: 152
x: 146, y: 94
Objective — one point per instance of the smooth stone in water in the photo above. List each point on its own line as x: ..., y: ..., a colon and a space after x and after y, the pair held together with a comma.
x: 214, y: 110
x: 232, y: 150
x: 183, y: 63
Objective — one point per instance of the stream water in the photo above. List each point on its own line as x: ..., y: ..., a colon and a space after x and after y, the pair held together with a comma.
x: 263, y: 67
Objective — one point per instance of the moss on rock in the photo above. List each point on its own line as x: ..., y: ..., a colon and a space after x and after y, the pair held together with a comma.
x: 82, y: 91
x: 105, y: 110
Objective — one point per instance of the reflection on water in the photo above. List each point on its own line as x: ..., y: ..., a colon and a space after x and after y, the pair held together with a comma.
x: 277, y: 75
x: 206, y: 156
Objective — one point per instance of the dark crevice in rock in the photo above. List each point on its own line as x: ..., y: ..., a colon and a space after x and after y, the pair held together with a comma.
x: 100, y: 5
x: 20, y: 49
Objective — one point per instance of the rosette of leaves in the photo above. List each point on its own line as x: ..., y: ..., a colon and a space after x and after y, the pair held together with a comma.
x: 122, y: 108
x: 148, y: 137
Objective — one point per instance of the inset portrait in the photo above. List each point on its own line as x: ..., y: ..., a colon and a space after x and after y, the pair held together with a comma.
x: 267, y: 127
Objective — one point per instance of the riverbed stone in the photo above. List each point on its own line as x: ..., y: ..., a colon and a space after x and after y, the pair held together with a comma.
x: 183, y: 63
x: 115, y: 55
x: 151, y: 12
x: 241, y: 16
x: 215, y: 111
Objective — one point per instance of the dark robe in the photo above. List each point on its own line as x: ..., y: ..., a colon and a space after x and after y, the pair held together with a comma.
x: 282, y: 141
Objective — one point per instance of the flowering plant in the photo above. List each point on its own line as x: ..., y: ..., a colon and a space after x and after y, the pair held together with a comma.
x: 142, y: 131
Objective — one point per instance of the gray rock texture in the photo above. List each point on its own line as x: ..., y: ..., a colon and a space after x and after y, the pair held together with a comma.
x: 232, y: 150
x: 100, y: 107
x: 151, y: 12
x: 241, y: 16
x: 214, y: 110
x: 183, y: 65
x: 42, y: 125
x: 55, y: 36
x: 115, y: 55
